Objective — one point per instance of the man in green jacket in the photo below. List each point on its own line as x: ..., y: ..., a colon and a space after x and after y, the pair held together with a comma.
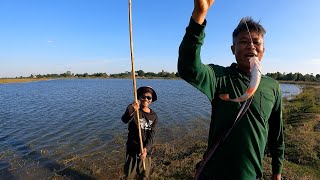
x: 240, y: 155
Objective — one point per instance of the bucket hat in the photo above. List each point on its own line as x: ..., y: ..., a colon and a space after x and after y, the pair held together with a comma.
x: 147, y: 89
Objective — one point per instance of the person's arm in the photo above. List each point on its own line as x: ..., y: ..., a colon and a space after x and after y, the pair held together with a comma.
x: 276, y: 139
x: 128, y: 114
x: 190, y: 67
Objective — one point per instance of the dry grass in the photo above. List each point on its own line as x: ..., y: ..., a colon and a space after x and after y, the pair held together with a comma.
x: 20, y: 80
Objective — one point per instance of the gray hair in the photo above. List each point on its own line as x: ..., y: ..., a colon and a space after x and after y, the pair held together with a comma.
x: 253, y: 26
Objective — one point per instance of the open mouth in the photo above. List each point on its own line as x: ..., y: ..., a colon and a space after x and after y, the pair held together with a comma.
x: 251, y: 55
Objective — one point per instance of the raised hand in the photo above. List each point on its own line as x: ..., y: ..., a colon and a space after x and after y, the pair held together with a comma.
x: 200, y: 10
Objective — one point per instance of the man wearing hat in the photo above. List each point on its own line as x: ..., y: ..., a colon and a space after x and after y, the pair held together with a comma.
x: 148, y: 119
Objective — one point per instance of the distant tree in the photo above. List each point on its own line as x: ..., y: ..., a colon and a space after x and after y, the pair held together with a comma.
x: 172, y: 75
x: 64, y: 75
x: 300, y: 77
x: 295, y: 76
x: 150, y: 74
x: 101, y: 75
x: 39, y: 76
x: 140, y: 73
x: 277, y: 75
x: 289, y: 77
x: 309, y: 77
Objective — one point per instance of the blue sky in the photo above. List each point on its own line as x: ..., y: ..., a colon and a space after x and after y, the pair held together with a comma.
x: 88, y: 36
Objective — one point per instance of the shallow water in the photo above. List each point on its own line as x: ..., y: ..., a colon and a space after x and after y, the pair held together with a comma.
x: 43, y: 123
x: 290, y: 90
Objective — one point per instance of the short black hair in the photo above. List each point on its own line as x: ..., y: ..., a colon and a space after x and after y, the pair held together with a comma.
x: 253, y: 26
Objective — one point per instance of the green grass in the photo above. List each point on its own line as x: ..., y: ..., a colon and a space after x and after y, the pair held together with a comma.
x: 302, y: 137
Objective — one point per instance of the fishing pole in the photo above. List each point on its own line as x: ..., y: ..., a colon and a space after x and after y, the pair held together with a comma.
x: 133, y: 74
x: 249, y: 32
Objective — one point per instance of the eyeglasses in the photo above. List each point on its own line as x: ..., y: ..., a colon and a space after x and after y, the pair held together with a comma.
x: 146, y: 97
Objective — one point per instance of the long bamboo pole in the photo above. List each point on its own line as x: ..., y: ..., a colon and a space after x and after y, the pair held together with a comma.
x: 133, y: 74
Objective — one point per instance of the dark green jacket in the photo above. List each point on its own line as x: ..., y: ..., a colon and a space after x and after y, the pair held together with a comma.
x: 240, y: 156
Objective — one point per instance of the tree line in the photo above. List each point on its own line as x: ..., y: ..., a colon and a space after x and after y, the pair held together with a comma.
x: 294, y: 76
x: 164, y: 74
x: 126, y: 74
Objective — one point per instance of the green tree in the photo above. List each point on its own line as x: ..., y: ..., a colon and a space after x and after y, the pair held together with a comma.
x: 140, y: 73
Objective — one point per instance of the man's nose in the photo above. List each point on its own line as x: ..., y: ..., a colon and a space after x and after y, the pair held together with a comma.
x: 252, y: 47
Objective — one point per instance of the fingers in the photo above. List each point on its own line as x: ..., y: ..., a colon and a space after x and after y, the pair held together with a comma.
x: 144, y: 154
x: 201, y: 7
x: 135, y: 105
x: 133, y: 108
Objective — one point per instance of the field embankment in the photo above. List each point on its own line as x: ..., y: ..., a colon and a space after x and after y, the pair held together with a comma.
x: 20, y: 80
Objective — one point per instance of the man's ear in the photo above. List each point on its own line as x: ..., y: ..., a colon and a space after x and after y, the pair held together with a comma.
x: 232, y: 49
x: 262, y: 53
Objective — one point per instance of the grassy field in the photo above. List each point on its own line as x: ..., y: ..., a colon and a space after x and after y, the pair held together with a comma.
x: 302, y: 130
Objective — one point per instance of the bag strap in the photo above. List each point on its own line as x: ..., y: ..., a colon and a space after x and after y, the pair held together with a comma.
x: 242, y: 111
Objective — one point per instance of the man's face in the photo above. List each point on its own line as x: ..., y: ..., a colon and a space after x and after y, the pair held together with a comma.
x: 244, y: 50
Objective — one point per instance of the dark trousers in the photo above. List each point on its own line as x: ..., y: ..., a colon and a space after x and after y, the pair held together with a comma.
x: 134, y: 167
